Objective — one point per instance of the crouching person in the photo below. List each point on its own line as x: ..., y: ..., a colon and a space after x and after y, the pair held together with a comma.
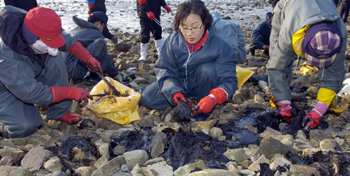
x: 193, y: 62
x: 89, y: 34
x: 319, y: 36
x: 32, y: 73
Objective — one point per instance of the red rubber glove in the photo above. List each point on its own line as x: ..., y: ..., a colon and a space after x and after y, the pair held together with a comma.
x: 150, y: 15
x: 266, y: 47
x: 167, y: 8
x: 206, y: 104
x: 63, y: 93
x: 81, y: 53
x: 70, y: 118
x: 285, y: 109
x: 178, y: 96
x: 313, y: 118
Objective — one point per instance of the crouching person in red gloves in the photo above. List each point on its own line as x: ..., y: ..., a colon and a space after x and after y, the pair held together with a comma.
x: 193, y: 62
x: 32, y: 73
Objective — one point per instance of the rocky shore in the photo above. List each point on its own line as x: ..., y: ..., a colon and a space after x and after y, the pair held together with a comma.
x: 242, y: 137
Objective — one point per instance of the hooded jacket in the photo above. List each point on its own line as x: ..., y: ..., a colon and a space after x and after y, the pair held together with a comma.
x: 232, y: 33
x: 86, y: 32
x: 175, y: 64
x: 289, y: 17
x: 18, y: 64
x: 261, y: 34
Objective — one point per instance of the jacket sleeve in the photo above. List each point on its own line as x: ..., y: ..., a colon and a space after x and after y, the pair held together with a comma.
x: 241, y: 50
x: 144, y: 5
x: 167, y: 73
x: 225, y: 66
x: 19, y: 79
x: 10, y: 2
x: 279, y: 66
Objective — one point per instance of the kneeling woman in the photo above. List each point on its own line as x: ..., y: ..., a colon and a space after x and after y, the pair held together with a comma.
x: 193, y: 62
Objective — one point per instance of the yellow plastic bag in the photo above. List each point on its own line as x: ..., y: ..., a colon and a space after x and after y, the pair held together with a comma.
x: 243, y: 74
x: 122, y: 110
x: 307, y: 70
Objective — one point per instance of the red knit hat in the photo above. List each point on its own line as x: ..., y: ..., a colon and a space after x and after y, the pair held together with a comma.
x: 46, y: 24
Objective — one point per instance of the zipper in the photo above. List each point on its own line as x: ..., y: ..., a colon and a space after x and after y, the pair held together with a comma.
x: 189, y: 55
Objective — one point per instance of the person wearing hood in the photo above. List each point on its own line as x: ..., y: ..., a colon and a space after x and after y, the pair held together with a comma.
x: 232, y: 33
x: 89, y: 34
x: 26, y: 5
x: 318, y: 35
x: 193, y: 62
x: 344, y: 10
x: 260, y: 37
x: 149, y: 13
x: 99, y: 6
x: 33, y: 73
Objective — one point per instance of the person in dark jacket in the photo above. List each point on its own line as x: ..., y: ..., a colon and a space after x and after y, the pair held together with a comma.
x: 23, y: 4
x: 193, y: 62
x: 149, y: 13
x: 260, y: 37
x: 33, y: 73
x: 89, y: 34
x: 344, y: 10
x: 99, y: 5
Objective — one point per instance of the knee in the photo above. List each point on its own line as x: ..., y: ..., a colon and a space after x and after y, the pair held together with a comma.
x: 21, y: 129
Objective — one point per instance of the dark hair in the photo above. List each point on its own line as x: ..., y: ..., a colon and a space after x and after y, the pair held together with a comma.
x: 98, y: 16
x: 273, y: 2
x: 192, y: 7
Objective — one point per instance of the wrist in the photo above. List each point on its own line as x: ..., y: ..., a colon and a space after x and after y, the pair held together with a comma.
x: 219, y: 94
x: 321, y: 108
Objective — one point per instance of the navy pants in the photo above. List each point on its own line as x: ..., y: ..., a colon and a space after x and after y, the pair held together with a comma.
x: 148, y: 26
x: 198, y: 85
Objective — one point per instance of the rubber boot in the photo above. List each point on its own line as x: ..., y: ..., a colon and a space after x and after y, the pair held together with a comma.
x: 143, y: 51
x: 159, y: 44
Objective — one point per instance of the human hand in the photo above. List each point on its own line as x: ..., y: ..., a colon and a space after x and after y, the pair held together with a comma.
x: 167, y: 8
x: 285, y: 109
x: 206, y: 104
x: 178, y: 96
x: 311, y: 120
x: 150, y: 15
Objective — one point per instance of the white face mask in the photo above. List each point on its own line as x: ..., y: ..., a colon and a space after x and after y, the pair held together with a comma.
x: 41, y: 48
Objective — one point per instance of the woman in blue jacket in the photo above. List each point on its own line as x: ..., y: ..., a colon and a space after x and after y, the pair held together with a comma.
x: 193, y: 62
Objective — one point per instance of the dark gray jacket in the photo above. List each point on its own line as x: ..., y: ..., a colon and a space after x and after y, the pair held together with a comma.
x: 18, y: 64
x: 175, y: 64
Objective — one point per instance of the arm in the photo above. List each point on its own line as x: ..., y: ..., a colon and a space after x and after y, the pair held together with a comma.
x: 282, y: 56
x: 166, y: 72
x: 144, y: 5
x: 241, y: 50
x: 10, y: 2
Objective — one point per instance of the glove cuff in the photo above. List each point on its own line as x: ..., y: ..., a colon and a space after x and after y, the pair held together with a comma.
x: 321, y: 108
x: 79, y: 51
x: 284, y: 104
x: 219, y: 94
